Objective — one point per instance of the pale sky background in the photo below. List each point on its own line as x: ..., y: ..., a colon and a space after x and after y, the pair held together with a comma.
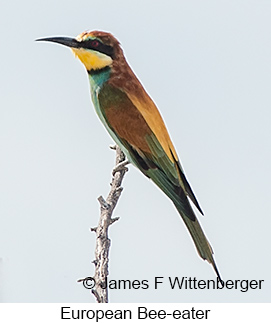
x: 207, y: 65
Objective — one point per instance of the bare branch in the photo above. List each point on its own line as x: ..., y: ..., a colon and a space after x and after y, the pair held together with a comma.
x: 102, y: 241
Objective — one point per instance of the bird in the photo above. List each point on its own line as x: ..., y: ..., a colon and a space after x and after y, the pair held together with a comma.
x: 136, y: 125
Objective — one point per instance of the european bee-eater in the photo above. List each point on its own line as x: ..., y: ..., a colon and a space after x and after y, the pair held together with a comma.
x: 134, y: 122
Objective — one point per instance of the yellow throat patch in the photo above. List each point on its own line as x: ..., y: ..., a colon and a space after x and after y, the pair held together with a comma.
x: 92, y: 60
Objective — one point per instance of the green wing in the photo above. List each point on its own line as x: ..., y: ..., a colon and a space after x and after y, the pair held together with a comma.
x: 142, y: 148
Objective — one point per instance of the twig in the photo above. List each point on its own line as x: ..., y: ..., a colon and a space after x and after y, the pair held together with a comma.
x: 102, y: 241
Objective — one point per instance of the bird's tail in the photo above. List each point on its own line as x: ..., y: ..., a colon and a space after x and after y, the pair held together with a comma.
x: 203, y: 246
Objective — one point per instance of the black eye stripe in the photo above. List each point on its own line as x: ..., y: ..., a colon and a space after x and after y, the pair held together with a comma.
x: 98, y: 46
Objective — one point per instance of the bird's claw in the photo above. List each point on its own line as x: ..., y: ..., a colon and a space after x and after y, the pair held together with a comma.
x: 120, y: 167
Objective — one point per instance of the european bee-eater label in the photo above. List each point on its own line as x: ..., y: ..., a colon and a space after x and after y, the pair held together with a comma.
x: 142, y: 313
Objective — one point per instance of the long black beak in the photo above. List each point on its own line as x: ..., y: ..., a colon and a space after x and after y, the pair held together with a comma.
x: 66, y: 41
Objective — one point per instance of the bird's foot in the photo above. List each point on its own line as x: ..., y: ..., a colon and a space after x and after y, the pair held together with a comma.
x: 120, y: 167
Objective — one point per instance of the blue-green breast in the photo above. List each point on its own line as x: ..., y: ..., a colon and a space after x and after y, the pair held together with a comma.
x: 97, y: 81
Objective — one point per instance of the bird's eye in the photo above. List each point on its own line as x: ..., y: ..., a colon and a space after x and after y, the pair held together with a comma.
x: 95, y: 43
